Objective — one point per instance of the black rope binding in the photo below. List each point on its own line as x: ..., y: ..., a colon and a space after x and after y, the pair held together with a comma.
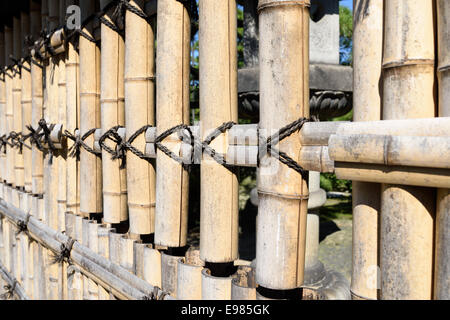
x: 22, y: 226
x: 64, y: 254
x: 35, y: 137
x: 267, y: 145
x: 46, y: 130
x: 182, y: 137
x: 184, y: 134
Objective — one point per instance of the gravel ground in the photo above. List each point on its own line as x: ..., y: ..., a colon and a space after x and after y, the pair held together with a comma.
x: 335, y: 249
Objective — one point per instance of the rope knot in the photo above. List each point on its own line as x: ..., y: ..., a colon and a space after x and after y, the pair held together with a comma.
x: 64, y: 254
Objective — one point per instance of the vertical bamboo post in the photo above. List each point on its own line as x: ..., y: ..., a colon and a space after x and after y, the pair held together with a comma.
x: 91, y: 179
x: 407, y: 213
x: 215, y: 288
x: 442, y: 253
x: 189, y: 276
x: 37, y: 158
x: 72, y: 123
x: 9, y: 110
x: 367, y: 55
x: 169, y: 273
x: 112, y: 114
x: 61, y: 159
x: 152, y: 266
x: 172, y: 181
x: 26, y: 100
x: 73, y: 275
x: 218, y: 104
x: 3, y: 132
x: 7, y: 244
x: 283, y: 194
x: 62, y: 154
x: 51, y: 112
x: 139, y: 100
x: 17, y: 97
x: 103, y: 250
x: 243, y: 286
x: 90, y: 289
x: 77, y: 278
x: 93, y: 244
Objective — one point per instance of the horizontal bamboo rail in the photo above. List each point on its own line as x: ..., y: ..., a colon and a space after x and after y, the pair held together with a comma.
x: 120, y: 281
x: 391, y: 150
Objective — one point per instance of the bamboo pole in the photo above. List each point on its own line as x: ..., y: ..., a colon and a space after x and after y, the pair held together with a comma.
x: 442, y: 253
x: 92, y: 231
x: 17, y: 107
x: 90, y: 165
x: 189, y: 276
x: 90, y: 289
x: 3, y: 132
x: 103, y: 250
x: 2, y: 240
x: 120, y: 281
x: 126, y: 258
x: 139, y: 100
x: 243, y: 286
x: 367, y: 97
x: 282, y: 211
x: 391, y: 150
x: 112, y: 114
x: 9, y: 110
x: 72, y: 123
x: 37, y: 157
x: 172, y: 181
x: 218, y: 104
x: 215, y: 288
x: 407, y: 213
x: 51, y: 172
x: 152, y: 266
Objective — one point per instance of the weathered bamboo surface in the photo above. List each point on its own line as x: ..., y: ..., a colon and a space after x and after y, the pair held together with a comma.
x: 26, y: 101
x: 3, y: 129
x: 72, y: 123
x: 90, y: 164
x: 139, y: 100
x: 243, y: 286
x: 215, y: 288
x: 367, y: 99
x: 406, y: 255
x: 62, y: 153
x: 9, y: 108
x: 17, y: 105
x: 112, y: 114
x: 442, y: 242
x: 283, y: 194
x: 172, y: 98
x: 318, y: 133
x: 218, y: 104
x: 413, y: 176
x: 189, y: 276
x: 106, y: 273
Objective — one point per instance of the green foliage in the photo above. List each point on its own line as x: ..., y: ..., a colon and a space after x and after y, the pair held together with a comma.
x: 346, y: 34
